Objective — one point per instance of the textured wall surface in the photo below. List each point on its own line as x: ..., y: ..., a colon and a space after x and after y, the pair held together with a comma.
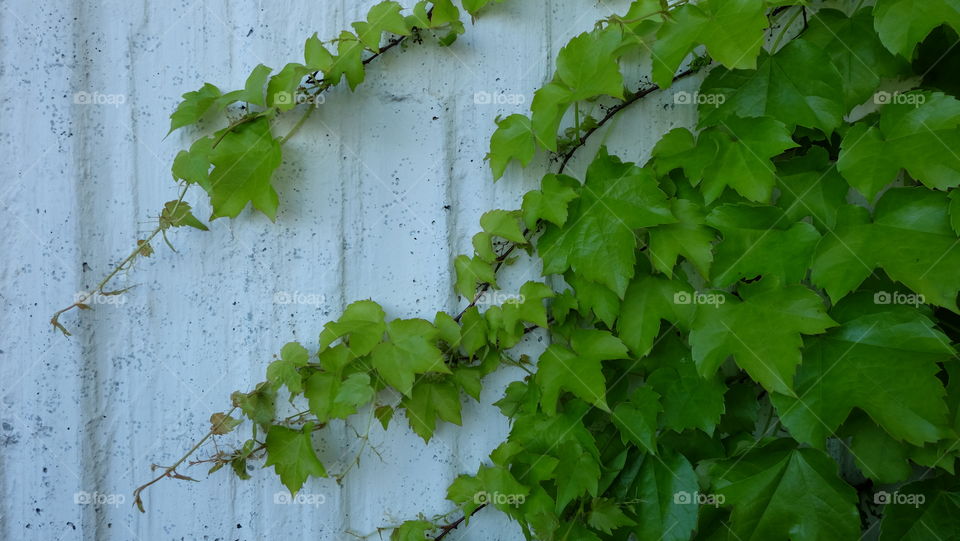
x: 379, y: 191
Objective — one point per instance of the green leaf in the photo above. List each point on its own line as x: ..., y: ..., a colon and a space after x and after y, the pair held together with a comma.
x: 599, y: 242
x: 258, y: 404
x: 878, y: 456
x: 855, y: 50
x: 252, y: 91
x: 910, y: 238
x: 412, y: 530
x: 382, y: 17
x: 221, y: 423
x: 605, y: 515
x: 661, y: 488
x: 598, y: 298
x: 797, y: 86
x: 550, y: 102
x: 282, y: 88
x: 918, y: 131
x: 927, y: 509
x: 760, y: 241
x: 762, y: 333
x: 504, y: 224
x: 411, y: 350
x: 688, y: 237
x: 550, y: 202
x: 582, y: 474
x: 362, y: 323
x: 732, y: 31
x: 882, y: 360
x: 243, y: 163
x: 513, y: 139
x: 780, y: 492
x: 588, y: 67
x: 428, y: 401
x: 636, y: 419
x: 470, y: 273
x: 902, y: 24
x: 316, y: 56
x: 177, y: 214
x: 577, y: 370
x: 474, y: 331
x: 193, y: 106
x: 291, y: 454
x: 648, y: 301
x: 349, y: 61
x: 193, y: 165
x: 285, y: 371
x: 689, y: 400
x: 810, y: 186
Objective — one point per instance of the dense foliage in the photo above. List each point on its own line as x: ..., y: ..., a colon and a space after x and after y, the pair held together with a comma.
x: 770, y: 294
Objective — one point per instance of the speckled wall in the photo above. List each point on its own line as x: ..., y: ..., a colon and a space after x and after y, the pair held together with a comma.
x: 379, y: 191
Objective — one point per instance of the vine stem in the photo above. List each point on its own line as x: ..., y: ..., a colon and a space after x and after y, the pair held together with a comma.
x: 81, y: 302
x: 170, y: 471
x: 445, y: 530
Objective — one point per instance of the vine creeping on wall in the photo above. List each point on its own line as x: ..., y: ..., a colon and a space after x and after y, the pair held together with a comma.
x: 776, y: 283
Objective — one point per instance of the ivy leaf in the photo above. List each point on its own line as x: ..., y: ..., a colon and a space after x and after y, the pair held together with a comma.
x: 954, y: 210
x: 428, y: 401
x: 363, y: 325
x: 282, y: 88
x: 382, y: 17
x: 193, y: 106
x: 688, y: 237
x: 659, y: 487
x: 588, y: 67
x: 590, y: 296
x: 504, y: 224
x: 331, y: 398
x: 470, y: 273
x: 855, y: 50
x: 349, y: 61
x: 412, y: 350
x: 577, y: 370
x: 316, y: 56
x: 258, y: 404
x: 797, y: 86
x: 878, y: 456
x: 918, y: 132
x: 811, y: 186
x: 285, y: 371
x: 732, y: 31
x: 243, y: 163
x: 902, y: 24
x: 648, y: 301
x: 605, y: 515
x: 550, y: 202
x: 550, y: 103
x: 689, y: 400
x: 177, y: 214
x: 513, y: 139
x: 759, y: 240
x: 882, y: 360
x: 910, y: 238
x: 193, y: 165
x: 781, y: 492
x: 291, y: 454
x: 636, y: 419
x: 599, y: 242
x: 221, y: 423
x: 762, y: 333
x: 582, y: 474
x: 412, y: 530
x: 934, y: 515
x: 252, y: 91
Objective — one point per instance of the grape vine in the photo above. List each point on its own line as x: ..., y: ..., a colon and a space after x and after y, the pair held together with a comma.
x: 769, y: 295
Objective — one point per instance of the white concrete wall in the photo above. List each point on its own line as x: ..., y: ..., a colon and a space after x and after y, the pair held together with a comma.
x: 364, y: 192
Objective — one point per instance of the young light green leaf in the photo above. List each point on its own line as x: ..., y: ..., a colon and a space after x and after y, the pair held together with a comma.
x: 243, y: 164
x: 291, y: 454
